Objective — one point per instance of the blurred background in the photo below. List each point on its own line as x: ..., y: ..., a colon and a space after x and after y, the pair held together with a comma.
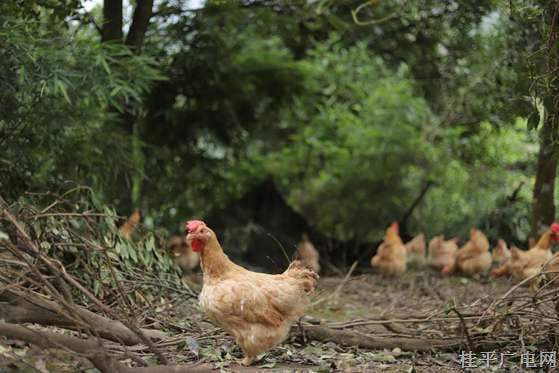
x: 273, y: 118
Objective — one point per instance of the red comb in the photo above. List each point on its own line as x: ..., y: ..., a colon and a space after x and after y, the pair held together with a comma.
x: 193, y: 225
x: 395, y: 226
x: 554, y: 227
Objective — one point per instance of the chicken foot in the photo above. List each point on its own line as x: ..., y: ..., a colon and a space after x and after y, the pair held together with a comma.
x: 247, y: 360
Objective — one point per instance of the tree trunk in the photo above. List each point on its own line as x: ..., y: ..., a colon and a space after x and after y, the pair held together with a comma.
x: 112, y: 20
x: 543, y: 208
x: 140, y: 22
x: 112, y: 30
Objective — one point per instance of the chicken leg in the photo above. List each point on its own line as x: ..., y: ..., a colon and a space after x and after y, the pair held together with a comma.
x: 248, y: 360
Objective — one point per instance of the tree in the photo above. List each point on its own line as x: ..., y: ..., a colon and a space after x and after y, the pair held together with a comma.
x: 54, y: 88
x: 532, y: 36
x: 543, y: 210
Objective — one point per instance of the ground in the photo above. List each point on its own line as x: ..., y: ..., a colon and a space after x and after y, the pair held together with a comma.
x: 360, y: 298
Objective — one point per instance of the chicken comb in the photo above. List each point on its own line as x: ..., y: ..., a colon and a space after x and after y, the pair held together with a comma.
x: 395, y: 226
x: 193, y: 225
x: 554, y: 228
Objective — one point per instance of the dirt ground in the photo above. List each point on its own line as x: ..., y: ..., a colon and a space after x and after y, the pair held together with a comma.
x: 361, y: 297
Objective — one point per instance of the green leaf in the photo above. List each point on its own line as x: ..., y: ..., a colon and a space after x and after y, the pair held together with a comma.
x: 533, y: 120
x: 61, y: 86
x: 150, y: 243
x: 36, y: 228
x: 96, y: 286
x: 133, y: 254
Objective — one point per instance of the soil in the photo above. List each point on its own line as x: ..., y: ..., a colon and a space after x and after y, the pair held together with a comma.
x: 363, y: 296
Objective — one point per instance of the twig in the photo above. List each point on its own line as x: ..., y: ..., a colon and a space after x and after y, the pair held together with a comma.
x: 344, y: 281
x: 471, y: 345
x: 338, y: 289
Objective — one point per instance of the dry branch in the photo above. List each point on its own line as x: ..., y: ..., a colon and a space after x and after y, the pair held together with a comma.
x: 22, y: 308
x: 90, y: 347
x: 65, y: 280
x: 353, y: 338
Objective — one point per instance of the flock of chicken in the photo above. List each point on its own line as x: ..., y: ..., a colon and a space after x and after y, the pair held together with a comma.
x: 393, y: 256
x: 258, y: 309
x: 473, y: 259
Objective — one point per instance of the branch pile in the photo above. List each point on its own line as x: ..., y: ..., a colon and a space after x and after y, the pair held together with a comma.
x: 39, y: 287
x: 520, y: 320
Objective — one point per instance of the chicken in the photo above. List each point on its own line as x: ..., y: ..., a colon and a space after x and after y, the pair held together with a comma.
x: 391, y: 256
x: 473, y: 259
x: 183, y: 257
x: 527, y: 264
x: 441, y: 253
x: 416, y: 250
x: 514, y: 266
x: 501, y: 254
x: 551, y: 270
x: 256, y: 309
x: 130, y: 224
x: 307, y: 253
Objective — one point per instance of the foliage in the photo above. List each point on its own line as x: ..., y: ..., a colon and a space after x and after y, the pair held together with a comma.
x: 80, y: 231
x: 54, y: 89
x: 363, y: 144
x: 351, y: 121
x: 195, y: 127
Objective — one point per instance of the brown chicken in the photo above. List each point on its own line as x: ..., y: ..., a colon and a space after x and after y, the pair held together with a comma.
x: 442, y: 253
x: 130, y: 224
x: 551, y: 270
x: 526, y: 264
x: 416, y: 250
x: 515, y: 266
x: 307, y: 253
x: 391, y: 256
x: 473, y: 259
x: 183, y: 257
x: 501, y: 254
x: 257, y: 309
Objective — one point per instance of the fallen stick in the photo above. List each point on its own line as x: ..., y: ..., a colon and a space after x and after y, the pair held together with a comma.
x: 21, y: 308
x: 90, y: 347
x: 352, y: 338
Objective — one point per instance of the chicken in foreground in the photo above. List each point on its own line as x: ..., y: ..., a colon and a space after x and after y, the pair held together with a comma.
x: 442, y: 253
x: 256, y: 309
x: 501, y: 253
x: 391, y: 256
x: 416, y: 250
x: 473, y: 259
x: 527, y: 264
x: 307, y: 253
x: 130, y: 224
x: 183, y: 257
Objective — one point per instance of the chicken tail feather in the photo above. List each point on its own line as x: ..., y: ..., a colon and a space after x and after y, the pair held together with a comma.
x: 307, y: 277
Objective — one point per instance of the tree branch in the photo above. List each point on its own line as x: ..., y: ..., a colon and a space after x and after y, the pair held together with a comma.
x: 21, y: 308
x: 140, y: 22
x: 90, y: 347
x: 352, y: 338
x: 112, y: 20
